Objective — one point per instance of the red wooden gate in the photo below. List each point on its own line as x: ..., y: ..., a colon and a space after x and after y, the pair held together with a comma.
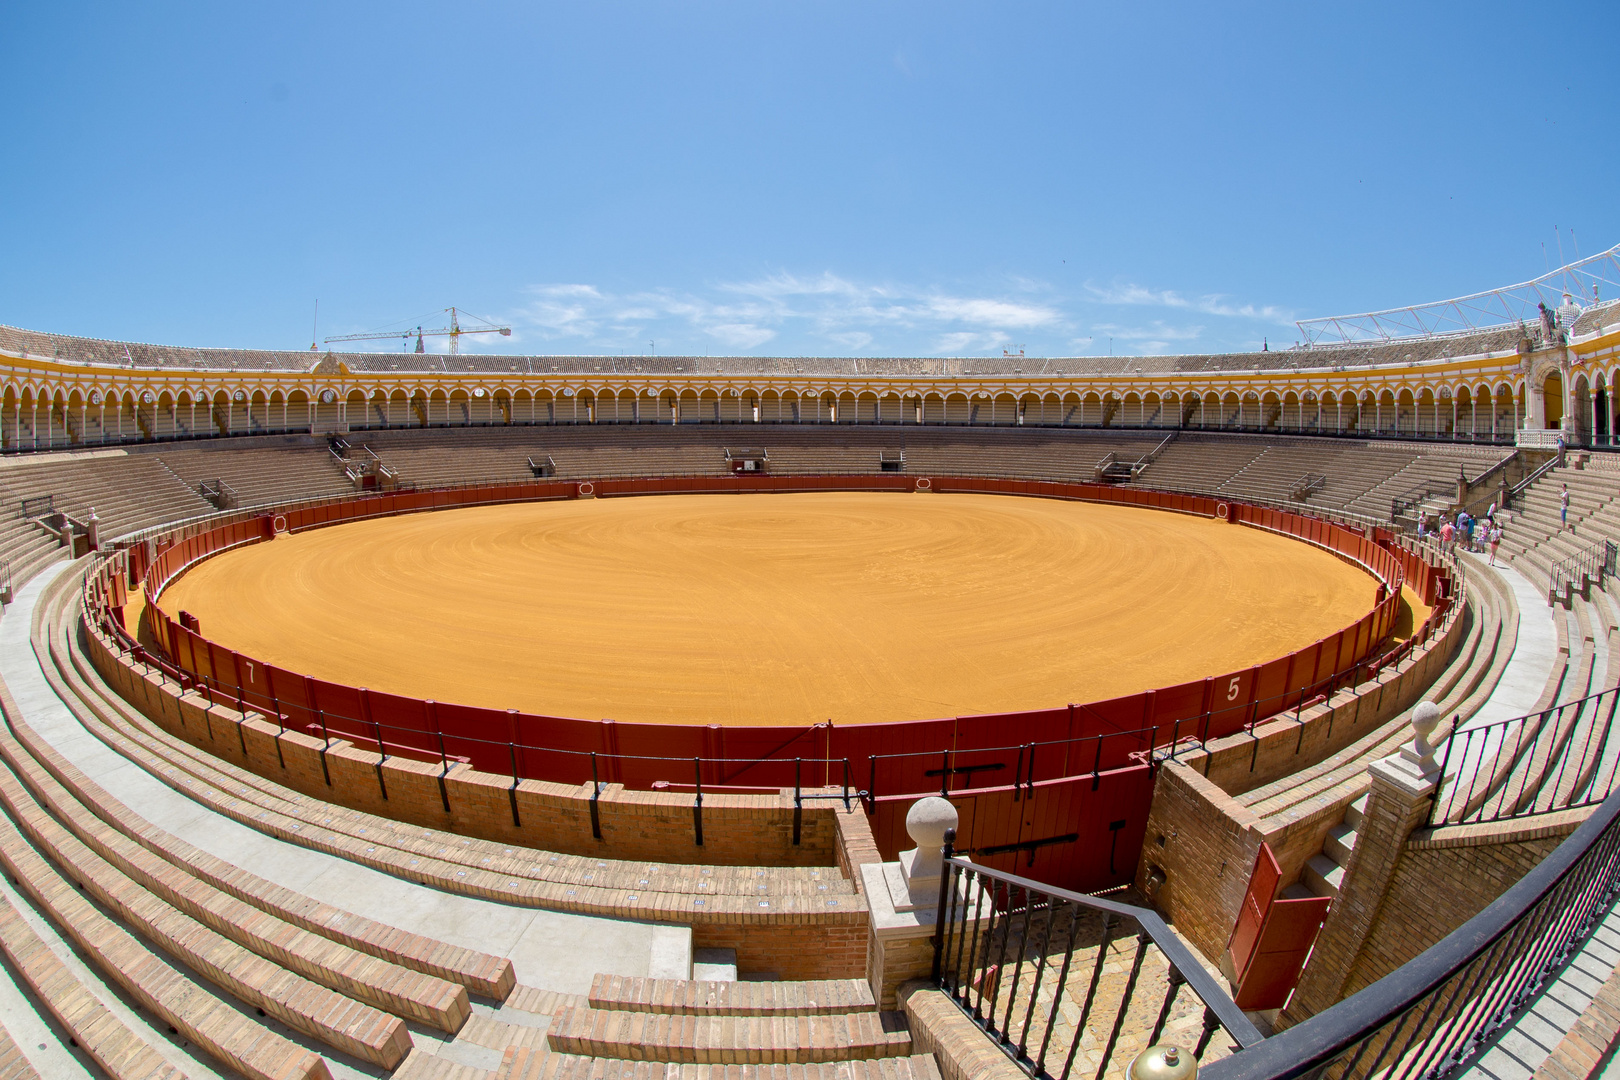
x: 1272, y: 938
x: 1082, y: 833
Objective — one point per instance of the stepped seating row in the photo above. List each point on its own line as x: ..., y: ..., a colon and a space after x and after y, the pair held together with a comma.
x: 24, y: 543
x: 1535, y: 538
x: 128, y: 491
x: 261, y: 475
x: 1489, y: 639
x: 1360, y: 478
x: 1277, y: 473
x: 1565, y: 755
x: 846, y: 1025
x: 697, y: 1029
x: 447, y: 861
x: 1199, y: 464
x: 1338, y: 783
x: 151, y: 485
x: 258, y: 949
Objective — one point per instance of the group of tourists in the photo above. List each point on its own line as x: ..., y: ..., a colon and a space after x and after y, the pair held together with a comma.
x: 1464, y: 531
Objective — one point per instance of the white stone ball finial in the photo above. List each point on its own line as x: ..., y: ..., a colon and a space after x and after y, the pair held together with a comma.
x: 926, y: 823
x: 928, y: 819
x: 1425, y: 718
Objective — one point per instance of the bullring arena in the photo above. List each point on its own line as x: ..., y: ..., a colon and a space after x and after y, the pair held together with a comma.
x: 774, y: 609
x: 552, y: 717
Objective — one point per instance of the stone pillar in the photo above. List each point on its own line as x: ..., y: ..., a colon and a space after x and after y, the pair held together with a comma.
x: 1403, y: 787
x: 902, y: 900
x: 1567, y: 392
x: 1535, y: 405
x: 92, y: 528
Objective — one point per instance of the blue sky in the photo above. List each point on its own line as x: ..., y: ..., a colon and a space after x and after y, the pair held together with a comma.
x: 773, y: 178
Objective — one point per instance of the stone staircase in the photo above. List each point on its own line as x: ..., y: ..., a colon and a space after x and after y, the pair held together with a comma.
x: 1324, y: 873
x: 631, y: 1028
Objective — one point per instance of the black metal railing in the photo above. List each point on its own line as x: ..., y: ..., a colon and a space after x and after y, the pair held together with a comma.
x: 1562, y: 757
x: 38, y: 506
x: 1403, y: 505
x: 1576, y: 571
x: 1441, y: 1009
x: 1013, y: 953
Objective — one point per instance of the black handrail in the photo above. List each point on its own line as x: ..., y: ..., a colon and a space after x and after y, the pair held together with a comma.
x: 987, y: 921
x: 1584, y: 566
x: 1562, y: 757
x: 1436, y: 1011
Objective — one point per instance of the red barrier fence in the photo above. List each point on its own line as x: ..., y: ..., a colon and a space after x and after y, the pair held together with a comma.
x: 1080, y: 759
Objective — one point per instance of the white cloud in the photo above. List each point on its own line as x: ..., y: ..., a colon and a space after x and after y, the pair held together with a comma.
x: 827, y: 313
x: 1158, y: 330
x: 741, y: 335
x: 747, y: 314
x: 1211, y: 304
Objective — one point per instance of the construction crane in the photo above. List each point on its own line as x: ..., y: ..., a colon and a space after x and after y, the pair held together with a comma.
x: 454, y: 332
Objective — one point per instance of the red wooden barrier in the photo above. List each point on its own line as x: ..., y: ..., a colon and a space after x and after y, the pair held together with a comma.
x: 1016, y: 777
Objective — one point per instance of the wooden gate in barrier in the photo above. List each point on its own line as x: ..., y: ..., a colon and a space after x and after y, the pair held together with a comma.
x: 1080, y: 833
x: 1272, y: 938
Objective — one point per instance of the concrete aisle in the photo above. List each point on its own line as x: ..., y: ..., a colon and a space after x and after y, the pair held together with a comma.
x: 549, y: 949
x: 1525, y: 676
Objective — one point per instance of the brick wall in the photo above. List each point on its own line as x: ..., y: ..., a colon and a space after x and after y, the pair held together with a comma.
x: 1445, y: 877
x: 738, y: 830
x: 1283, y: 746
x: 1204, y: 843
x: 831, y: 946
x: 798, y: 939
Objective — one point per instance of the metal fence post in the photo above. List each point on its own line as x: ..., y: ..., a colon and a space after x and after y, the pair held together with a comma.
x: 697, y: 803
x: 444, y: 770
x: 512, y: 790
x: 945, y: 878
x: 596, y: 793
x: 326, y: 744
x: 382, y: 756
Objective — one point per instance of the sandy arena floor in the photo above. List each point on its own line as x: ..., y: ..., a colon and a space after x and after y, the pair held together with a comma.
x: 774, y: 609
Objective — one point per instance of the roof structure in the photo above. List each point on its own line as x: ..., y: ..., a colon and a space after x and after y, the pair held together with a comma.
x: 1585, y: 281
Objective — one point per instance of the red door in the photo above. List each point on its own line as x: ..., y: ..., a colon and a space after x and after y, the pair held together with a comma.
x: 1272, y: 938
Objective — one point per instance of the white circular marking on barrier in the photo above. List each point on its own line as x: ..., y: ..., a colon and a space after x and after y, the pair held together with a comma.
x: 924, y: 484
x: 1223, y: 511
x: 279, y: 523
x: 587, y: 488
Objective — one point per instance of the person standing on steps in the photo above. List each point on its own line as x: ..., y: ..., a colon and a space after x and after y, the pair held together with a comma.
x: 1496, y: 541
x: 1563, y: 507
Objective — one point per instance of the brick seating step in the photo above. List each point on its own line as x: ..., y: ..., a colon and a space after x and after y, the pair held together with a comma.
x: 571, y: 1067
x: 727, y: 1040
x: 481, y: 973
x: 388, y: 986
x: 224, y: 1032
x: 444, y: 860
x: 335, y: 1019
x: 13, y: 1065
x: 421, y: 1065
x: 111, y: 1044
x: 699, y: 997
